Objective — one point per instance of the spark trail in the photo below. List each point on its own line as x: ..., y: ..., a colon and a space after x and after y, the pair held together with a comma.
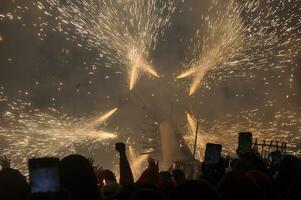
x: 189, y: 137
x: 124, y: 31
x: 244, y: 35
x: 283, y: 127
x: 26, y: 132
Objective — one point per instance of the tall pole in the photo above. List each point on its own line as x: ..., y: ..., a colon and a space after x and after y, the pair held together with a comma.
x: 195, y: 139
x: 298, y: 109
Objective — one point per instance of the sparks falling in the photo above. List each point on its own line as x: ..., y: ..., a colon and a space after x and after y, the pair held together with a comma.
x: 189, y: 137
x: 124, y: 32
x: 283, y: 126
x: 101, y: 119
x: 30, y: 132
x: 192, y: 123
x: 244, y: 36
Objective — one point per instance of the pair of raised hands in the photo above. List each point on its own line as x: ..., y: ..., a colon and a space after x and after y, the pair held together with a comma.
x: 120, y: 147
x: 97, y: 169
x: 153, y: 164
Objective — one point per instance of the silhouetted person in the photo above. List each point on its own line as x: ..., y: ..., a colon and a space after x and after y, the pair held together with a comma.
x: 77, y: 176
x: 150, y: 176
x: 294, y: 192
x: 178, y: 176
x: 13, y: 185
x: 126, y: 175
x: 166, y: 184
x: 212, y: 173
x: 264, y: 182
x: 194, y: 190
x: 128, y: 190
x: 111, y: 189
x: 146, y: 194
x: 289, y: 167
x: 247, y: 162
x: 237, y: 185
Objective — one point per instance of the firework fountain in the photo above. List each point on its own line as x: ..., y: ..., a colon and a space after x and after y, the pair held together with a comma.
x: 124, y: 31
x: 33, y: 133
x: 243, y: 35
x: 235, y: 38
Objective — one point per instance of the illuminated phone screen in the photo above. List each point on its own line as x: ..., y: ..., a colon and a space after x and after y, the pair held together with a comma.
x: 213, y: 153
x: 245, y: 142
x: 44, y: 176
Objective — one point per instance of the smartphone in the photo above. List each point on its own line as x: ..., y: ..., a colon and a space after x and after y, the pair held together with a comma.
x: 245, y: 142
x: 213, y: 153
x: 44, y: 175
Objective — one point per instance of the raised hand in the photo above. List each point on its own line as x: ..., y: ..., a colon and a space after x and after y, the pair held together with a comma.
x: 153, y: 164
x: 5, y: 162
x: 91, y: 161
x: 99, y: 174
x: 120, y: 147
x: 97, y: 170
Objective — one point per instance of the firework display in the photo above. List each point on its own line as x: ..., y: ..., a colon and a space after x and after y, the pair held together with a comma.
x: 125, y: 32
x: 32, y: 132
x: 236, y: 42
x: 242, y: 36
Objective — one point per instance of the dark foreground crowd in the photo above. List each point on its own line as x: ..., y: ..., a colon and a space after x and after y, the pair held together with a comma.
x: 247, y: 178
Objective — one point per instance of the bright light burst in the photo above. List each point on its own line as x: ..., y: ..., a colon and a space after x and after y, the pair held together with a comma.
x: 27, y: 132
x: 244, y: 35
x: 101, y: 119
x: 124, y: 31
x: 138, y: 161
x: 202, y: 139
x: 234, y: 36
x: 282, y: 127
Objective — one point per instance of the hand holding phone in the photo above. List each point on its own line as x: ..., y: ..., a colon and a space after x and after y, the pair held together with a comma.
x: 213, y: 153
x: 44, y: 175
x: 244, y: 142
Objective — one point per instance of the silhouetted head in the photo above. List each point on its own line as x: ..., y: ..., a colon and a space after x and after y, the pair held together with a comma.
x: 150, y: 176
x: 109, y: 176
x: 237, y: 185
x: 178, y: 176
x: 165, y: 177
x: 110, y: 191
x: 264, y: 182
x: 77, y: 176
x: 130, y: 189
x: 146, y: 194
x: 247, y: 162
x: 294, y: 192
x: 288, y: 168
x: 166, y: 184
x: 13, y: 185
x: 196, y: 189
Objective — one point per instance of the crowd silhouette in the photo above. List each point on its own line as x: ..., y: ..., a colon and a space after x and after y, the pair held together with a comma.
x: 75, y: 177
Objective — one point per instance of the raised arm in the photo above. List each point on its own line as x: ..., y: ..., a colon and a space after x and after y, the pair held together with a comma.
x: 126, y: 175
